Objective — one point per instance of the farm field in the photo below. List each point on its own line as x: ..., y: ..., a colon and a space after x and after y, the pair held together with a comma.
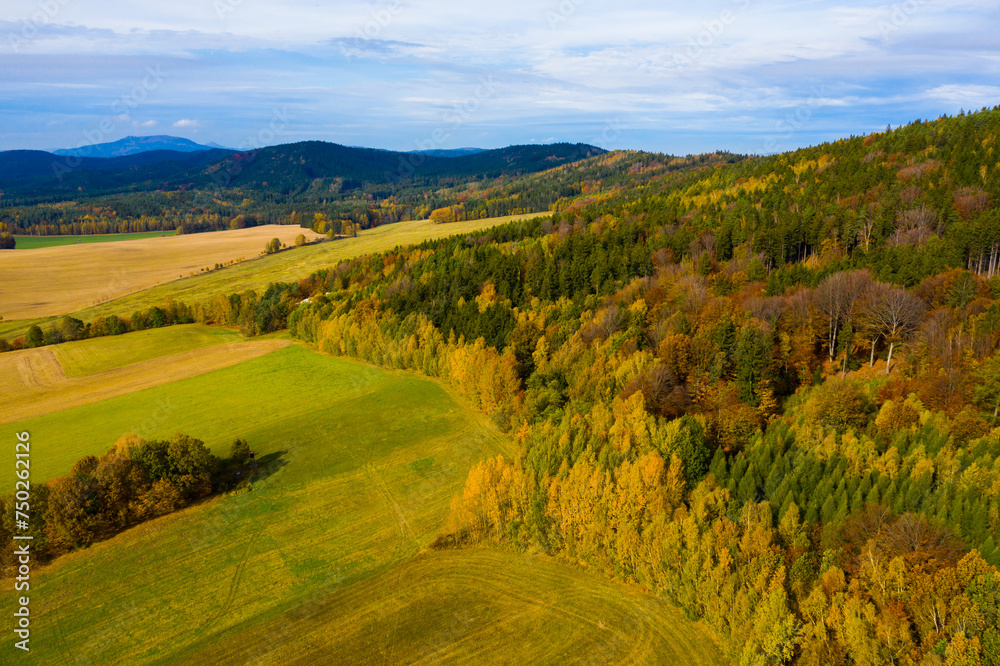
x: 88, y: 357
x: 326, y: 556
x: 35, y: 242
x: 286, y: 266
x: 35, y: 384
x: 52, y: 281
x: 215, y: 406
x: 360, y: 466
x: 475, y: 605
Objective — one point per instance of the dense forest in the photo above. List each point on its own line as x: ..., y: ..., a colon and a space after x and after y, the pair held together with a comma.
x: 765, y: 389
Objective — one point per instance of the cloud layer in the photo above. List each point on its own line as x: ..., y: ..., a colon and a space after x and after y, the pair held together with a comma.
x: 745, y: 75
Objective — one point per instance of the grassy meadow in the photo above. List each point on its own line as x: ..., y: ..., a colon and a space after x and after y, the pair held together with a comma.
x: 325, y: 558
x: 35, y: 242
x: 20, y: 310
x: 360, y: 469
x: 473, y: 606
x: 35, y: 385
x: 216, y: 407
x: 88, y: 357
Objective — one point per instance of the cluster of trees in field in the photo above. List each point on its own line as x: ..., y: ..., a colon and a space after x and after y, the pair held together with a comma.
x: 135, y: 481
x: 767, y: 391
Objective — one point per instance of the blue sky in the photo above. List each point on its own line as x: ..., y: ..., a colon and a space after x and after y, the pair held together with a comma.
x: 750, y: 76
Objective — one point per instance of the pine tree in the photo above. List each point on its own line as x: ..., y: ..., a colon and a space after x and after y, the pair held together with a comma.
x: 873, y: 496
x: 718, y: 466
x: 828, y: 508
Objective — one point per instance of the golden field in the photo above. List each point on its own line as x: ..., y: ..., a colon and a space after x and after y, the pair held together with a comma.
x: 51, y: 281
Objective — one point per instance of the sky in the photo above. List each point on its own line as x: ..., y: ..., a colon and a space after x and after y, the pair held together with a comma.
x: 749, y: 76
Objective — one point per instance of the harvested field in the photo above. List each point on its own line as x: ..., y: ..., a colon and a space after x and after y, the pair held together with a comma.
x: 57, y: 280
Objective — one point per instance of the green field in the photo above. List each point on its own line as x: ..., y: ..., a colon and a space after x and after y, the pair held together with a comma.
x: 364, y: 464
x: 88, y: 357
x: 290, y: 384
x: 473, y: 606
x: 35, y: 242
x: 287, y: 266
x: 326, y: 557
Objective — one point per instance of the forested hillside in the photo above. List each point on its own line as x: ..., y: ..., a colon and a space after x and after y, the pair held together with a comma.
x: 766, y: 390
x: 44, y: 194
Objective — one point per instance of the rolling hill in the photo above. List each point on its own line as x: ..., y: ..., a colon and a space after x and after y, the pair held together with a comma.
x: 30, y: 176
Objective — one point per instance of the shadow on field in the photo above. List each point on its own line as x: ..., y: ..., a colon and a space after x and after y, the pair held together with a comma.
x: 269, y: 464
x: 231, y: 478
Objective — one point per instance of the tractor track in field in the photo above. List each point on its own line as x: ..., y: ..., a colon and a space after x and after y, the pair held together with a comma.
x: 234, y: 584
x: 40, y: 369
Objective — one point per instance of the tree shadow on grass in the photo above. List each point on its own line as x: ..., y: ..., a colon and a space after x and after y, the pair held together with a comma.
x: 233, y: 477
x: 269, y: 464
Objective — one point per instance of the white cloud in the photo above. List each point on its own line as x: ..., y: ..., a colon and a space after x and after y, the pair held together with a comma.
x: 969, y: 96
x: 388, y: 72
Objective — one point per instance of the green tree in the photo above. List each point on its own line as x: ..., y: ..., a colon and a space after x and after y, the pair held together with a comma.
x: 239, y: 452
x: 986, y: 393
x: 35, y: 337
x: 70, y: 328
x: 191, y: 465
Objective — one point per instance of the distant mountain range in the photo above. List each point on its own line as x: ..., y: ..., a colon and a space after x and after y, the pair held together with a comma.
x: 453, y: 152
x: 132, y: 145
x: 290, y: 171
